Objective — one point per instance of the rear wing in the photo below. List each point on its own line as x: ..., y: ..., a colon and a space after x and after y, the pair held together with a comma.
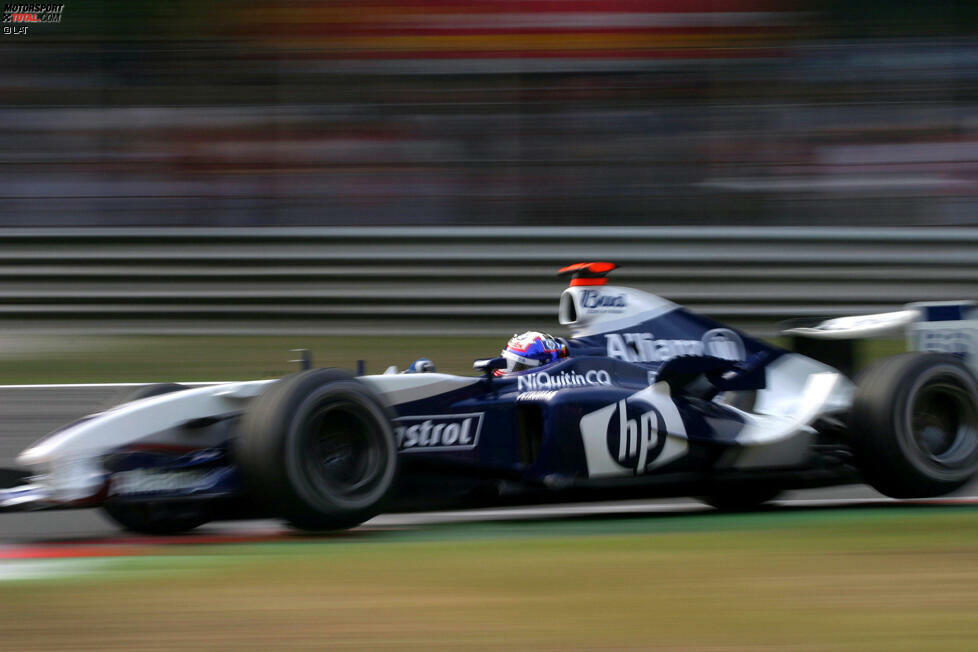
x: 940, y: 326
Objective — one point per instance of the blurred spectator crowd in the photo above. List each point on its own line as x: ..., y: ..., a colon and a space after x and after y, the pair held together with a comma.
x: 492, y: 112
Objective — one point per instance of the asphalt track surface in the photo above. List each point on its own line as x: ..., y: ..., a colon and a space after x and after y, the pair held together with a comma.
x: 30, y: 412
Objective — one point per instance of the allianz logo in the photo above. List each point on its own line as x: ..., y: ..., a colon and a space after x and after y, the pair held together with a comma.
x: 438, y: 432
x: 644, y: 347
x: 543, y: 380
x: 592, y: 299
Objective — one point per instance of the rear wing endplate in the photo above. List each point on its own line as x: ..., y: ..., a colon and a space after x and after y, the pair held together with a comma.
x: 939, y: 326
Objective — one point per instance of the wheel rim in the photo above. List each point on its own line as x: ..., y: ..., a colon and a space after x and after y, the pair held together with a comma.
x: 342, y: 451
x: 944, y: 424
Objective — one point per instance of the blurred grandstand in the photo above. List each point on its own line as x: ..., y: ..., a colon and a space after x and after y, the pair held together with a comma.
x: 630, y: 112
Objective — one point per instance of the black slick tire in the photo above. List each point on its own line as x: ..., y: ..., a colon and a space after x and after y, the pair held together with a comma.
x: 914, y: 425
x: 317, y: 449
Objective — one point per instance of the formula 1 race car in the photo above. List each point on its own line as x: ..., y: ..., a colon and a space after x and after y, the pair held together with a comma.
x: 651, y: 400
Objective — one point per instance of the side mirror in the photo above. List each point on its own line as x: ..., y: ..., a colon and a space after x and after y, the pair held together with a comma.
x: 488, y: 365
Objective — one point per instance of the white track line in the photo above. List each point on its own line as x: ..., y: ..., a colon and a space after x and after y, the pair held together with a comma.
x: 88, y: 385
x: 36, y: 569
x: 500, y: 514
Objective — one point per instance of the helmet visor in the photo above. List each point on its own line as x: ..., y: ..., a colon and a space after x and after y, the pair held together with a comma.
x: 517, y: 362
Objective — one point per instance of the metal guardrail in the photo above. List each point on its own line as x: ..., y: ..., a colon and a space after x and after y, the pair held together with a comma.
x: 466, y: 280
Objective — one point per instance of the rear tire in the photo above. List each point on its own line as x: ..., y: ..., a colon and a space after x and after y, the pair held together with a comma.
x: 317, y: 448
x: 914, y: 425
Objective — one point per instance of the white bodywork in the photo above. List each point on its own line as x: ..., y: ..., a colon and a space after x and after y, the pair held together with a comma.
x: 859, y: 326
x: 778, y: 432
x: 594, y: 309
x: 66, y: 464
x: 937, y: 326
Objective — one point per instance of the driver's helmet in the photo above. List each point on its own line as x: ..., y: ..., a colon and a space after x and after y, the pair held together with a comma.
x: 532, y: 349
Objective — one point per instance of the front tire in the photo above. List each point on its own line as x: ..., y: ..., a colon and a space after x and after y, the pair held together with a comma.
x: 914, y: 425
x: 318, y: 449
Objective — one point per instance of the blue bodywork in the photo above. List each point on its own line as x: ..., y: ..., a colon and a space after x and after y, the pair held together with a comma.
x: 531, y: 432
x: 524, y: 435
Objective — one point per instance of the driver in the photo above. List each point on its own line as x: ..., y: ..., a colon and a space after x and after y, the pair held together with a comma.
x: 531, y: 349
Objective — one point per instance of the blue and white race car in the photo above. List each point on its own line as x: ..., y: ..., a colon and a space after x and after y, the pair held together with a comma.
x: 645, y: 398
